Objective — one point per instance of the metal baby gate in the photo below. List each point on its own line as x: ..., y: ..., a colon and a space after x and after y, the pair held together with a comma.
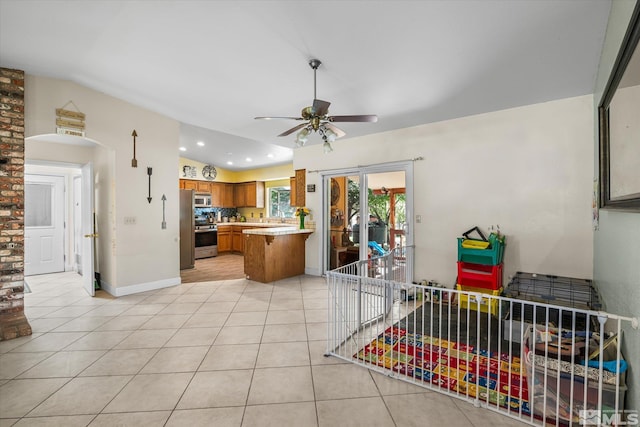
x: 536, y: 362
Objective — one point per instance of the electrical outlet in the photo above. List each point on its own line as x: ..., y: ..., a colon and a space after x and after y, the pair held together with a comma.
x: 130, y: 220
x: 418, y: 219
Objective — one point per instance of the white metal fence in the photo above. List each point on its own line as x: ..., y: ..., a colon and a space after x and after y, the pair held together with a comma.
x: 523, y: 359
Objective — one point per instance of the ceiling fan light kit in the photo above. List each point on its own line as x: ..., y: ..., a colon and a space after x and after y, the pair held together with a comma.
x: 317, y: 119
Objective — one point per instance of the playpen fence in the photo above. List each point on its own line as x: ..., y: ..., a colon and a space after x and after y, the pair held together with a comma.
x: 522, y: 359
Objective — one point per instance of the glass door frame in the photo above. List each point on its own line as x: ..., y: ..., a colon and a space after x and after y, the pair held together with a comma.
x: 362, y: 172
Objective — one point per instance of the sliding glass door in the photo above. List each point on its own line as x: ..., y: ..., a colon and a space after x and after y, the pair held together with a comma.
x: 366, y: 212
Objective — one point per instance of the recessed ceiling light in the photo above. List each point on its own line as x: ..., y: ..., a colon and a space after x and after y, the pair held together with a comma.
x: 183, y: 149
x: 229, y: 162
x: 248, y: 159
x: 200, y: 143
x: 229, y: 153
x: 270, y: 156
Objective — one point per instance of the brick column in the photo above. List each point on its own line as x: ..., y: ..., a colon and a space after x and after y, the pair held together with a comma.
x: 13, y: 322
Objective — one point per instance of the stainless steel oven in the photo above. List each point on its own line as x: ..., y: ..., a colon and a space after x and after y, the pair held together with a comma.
x: 206, y: 241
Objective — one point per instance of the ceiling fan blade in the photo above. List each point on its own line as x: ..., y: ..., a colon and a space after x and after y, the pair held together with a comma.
x: 339, y: 132
x: 293, y: 129
x: 320, y: 107
x: 275, y: 117
x: 370, y: 118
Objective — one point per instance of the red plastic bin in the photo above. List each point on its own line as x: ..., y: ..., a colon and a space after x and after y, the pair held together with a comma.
x: 480, y: 275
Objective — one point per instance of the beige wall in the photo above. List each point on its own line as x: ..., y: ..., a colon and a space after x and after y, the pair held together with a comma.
x: 617, y: 240
x: 527, y: 169
x: 132, y: 258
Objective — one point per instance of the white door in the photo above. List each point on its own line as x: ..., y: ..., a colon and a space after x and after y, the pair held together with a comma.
x: 88, y: 231
x: 43, y: 224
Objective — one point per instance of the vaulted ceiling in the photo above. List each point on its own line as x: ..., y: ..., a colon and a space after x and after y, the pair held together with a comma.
x: 215, y: 65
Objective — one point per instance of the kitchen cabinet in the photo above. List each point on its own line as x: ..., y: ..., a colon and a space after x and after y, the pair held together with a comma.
x: 222, y: 195
x: 240, y: 196
x: 237, y: 239
x: 249, y: 194
x: 189, y: 184
x: 227, y: 198
x: 203, y: 186
x: 298, y: 188
x: 217, y: 193
x: 224, y: 238
x: 194, y: 184
x: 292, y: 191
x: 229, y: 195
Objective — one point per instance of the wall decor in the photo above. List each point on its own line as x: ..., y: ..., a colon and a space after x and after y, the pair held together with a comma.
x: 69, y: 122
x: 164, y: 221
x: 189, y: 171
x: 134, y: 162
x: 149, y: 172
x: 619, y: 129
x: 209, y: 172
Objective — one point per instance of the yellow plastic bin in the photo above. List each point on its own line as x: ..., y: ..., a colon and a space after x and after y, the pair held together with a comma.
x: 487, y: 305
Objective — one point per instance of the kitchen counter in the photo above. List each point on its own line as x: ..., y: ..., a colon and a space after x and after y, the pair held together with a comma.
x: 253, y: 224
x: 278, y: 231
x: 274, y: 253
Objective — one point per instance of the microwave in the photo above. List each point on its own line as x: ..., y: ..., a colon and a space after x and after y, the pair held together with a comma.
x: 202, y: 200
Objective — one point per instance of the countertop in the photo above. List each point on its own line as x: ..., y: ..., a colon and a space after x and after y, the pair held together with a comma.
x: 278, y: 231
x: 254, y: 224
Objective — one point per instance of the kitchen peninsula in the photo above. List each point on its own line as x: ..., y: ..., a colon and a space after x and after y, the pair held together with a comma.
x: 275, y: 253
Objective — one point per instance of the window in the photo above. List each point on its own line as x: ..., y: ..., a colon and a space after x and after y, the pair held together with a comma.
x: 280, y: 202
x: 38, y: 198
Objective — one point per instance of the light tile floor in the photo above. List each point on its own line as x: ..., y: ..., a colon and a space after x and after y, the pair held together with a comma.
x: 228, y: 353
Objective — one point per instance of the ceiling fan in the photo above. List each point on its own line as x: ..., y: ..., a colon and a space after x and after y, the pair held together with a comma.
x: 317, y: 119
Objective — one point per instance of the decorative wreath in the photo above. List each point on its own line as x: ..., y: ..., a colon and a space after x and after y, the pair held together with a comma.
x: 209, y: 172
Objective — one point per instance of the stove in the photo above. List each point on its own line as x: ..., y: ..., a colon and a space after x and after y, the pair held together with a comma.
x: 206, y: 240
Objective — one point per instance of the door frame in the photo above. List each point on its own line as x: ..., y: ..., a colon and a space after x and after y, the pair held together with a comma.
x: 87, y: 215
x: 362, y: 172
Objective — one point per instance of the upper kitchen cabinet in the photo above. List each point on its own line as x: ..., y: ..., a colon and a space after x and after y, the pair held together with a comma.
x: 217, y: 194
x: 222, y: 195
x: 292, y: 191
x: 188, y: 184
x: 249, y: 194
x: 193, y: 184
x: 228, y: 196
x: 204, y: 187
x: 299, y: 194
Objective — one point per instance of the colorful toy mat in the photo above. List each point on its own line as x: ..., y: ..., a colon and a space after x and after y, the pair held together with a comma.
x: 456, y: 366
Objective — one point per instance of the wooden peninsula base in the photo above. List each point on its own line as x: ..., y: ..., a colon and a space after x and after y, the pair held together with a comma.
x: 274, y: 253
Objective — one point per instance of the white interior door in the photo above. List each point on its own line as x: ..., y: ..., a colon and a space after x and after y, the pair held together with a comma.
x: 88, y: 232
x: 43, y: 224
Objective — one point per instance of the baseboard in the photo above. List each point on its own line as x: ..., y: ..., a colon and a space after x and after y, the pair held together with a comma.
x: 140, y: 287
x: 312, y: 271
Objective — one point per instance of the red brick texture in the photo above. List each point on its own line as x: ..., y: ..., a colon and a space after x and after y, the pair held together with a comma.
x: 13, y: 322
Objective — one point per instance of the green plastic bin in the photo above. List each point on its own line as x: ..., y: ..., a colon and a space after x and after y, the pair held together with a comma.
x: 490, y: 256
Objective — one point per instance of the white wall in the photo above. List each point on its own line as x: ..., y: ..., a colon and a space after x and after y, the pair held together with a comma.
x: 132, y: 257
x: 527, y: 169
x: 617, y: 241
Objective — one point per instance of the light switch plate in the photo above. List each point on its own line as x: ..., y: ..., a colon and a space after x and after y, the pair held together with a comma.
x: 418, y: 219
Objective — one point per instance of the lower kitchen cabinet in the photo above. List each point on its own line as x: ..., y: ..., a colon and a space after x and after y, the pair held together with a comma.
x: 237, y: 239
x: 224, y: 239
